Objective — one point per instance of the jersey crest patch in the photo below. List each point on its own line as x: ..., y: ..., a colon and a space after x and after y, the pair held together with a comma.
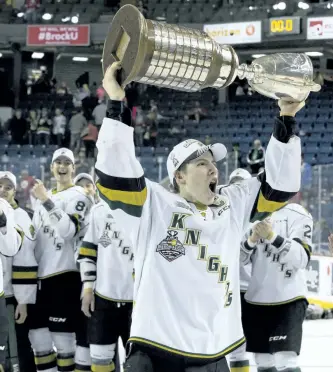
x: 105, y: 240
x: 171, y: 247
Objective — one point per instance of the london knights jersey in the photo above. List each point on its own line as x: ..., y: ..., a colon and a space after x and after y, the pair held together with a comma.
x: 10, y: 237
x: 278, y: 270
x: 106, y: 258
x: 20, y: 271
x: 186, y: 288
x: 57, y: 231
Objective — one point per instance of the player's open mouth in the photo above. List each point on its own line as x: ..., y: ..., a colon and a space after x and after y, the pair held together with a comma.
x: 212, y: 186
x: 62, y: 173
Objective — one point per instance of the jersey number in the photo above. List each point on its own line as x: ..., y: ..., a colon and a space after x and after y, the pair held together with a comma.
x: 80, y: 206
x: 307, y: 232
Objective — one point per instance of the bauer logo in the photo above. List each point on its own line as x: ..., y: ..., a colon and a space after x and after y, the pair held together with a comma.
x: 312, y: 276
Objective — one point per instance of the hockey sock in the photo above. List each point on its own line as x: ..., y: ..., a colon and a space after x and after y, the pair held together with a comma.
x: 240, y: 366
x: 45, y: 356
x: 65, y: 345
x: 102, y: 357
x: 82, y: 359
x: 267, y: 369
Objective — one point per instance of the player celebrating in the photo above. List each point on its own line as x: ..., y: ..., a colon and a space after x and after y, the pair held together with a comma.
x: 239, y: 360
x: 279, y: 249
x: 187, y: 242
x: 58, y: 220
x: 20, y: 274
x: 10, y: 242
x: 86, y: 181
x: 106, y: 264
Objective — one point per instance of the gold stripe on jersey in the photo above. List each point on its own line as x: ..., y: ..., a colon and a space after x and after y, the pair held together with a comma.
x: 128, y: 194
x: 100, y: 368
x: 268, y: 200
x: 24, y: 274
x: 88, y: 250
x: 2, y: 294
x: 277, y: 303
x: 326, y: 305
x: 222, y: 353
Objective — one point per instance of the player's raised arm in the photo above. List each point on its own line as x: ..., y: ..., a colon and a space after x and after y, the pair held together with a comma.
x: 121, y: 178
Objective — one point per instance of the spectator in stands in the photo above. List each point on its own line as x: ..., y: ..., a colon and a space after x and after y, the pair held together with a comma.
x: 24, y: 186
x: 99, y: 114
x: 197, y: 113
x: 89, y: 140
x: 153, y: 112
x: 63, y: 89
x: 59, y: 126
x: 33, y: 124
x: 77, y: 124
x: 43, y: 128
x: 153, y: 135
x: 31, y: 12
x: 18, y: 128
x: 256, y: 157
x: 100, y: 93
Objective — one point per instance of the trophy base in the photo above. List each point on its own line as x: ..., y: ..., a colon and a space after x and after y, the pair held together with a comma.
x: 126, y: 43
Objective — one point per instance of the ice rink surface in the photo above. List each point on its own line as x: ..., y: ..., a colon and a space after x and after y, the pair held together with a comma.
x: 317, y: 347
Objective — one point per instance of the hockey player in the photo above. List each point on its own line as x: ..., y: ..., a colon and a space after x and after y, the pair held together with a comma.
x: 187, y: 242
x: 239, y: 360
x: 86, y: 181
x: 59, y: 219
x: 106, y: 264
x: 20, y: 277
x: 280, y: 249
x: 10, y: 241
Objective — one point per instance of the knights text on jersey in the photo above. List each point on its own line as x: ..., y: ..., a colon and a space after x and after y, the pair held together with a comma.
x: 278, y: 275
x: 57, y: 231
x: 186, y: 288
x: 20, y: 271
x: 106, y: 257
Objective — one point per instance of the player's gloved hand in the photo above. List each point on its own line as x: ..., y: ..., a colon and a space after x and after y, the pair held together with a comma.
x: 39, y: 191
x: 253, y: 238
x: 264, y: 229
x: 110, y: 84
x: 21, y: 313
x: 88, y: 302
x: 290, y: 108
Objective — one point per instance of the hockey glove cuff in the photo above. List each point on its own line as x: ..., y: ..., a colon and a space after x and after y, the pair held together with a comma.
x: 284, y: 128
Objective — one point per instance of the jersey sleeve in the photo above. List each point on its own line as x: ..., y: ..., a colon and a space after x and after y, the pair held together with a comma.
x: 87, y: 257
x: 69, y: 222
x: 296, y: 249
x: 24, y: 273
x: 121, y: 181
x: 10, y: 235
x: 279, y: 182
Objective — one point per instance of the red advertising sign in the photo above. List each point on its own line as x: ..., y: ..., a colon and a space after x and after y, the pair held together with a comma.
x: 58, y: 35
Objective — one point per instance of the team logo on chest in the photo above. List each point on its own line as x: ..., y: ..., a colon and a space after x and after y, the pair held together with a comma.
x: 105, y: 240
x: 171, y: 247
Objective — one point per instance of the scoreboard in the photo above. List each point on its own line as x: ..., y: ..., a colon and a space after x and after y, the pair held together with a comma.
x: 283, y: 26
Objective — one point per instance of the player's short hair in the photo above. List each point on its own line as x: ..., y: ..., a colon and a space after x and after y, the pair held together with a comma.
x: 174, y: 188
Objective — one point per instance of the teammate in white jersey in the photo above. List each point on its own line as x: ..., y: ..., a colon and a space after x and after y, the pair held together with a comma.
x: 106, y: 264
x: 239, y: 360
x: 280, y: 249
x: 186, y: 242
x: 59, y: 219
x: 20, y: 278
x: 86, y: 181
x: 11, y: 238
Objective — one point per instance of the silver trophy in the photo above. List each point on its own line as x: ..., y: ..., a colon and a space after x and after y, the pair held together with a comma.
x: 180, y: 58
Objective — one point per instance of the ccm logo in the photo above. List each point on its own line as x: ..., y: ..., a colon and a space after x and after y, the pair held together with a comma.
x: 277, y: 338
x: 58, y: 320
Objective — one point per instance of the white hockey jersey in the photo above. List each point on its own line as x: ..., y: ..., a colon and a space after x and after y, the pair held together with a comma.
x: 278, y: 272
x: 186, y: 288
x: 20, y: 271
x: 106, y: 257
x: 245, y: 276
x: 10, y: 237
x: 57, y: 231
